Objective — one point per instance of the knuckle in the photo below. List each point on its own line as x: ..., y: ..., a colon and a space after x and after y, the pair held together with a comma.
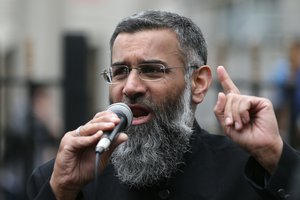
x: 97, y: 115
x: 82, y: 129
x: 230, y: 95
x: 65, y: 140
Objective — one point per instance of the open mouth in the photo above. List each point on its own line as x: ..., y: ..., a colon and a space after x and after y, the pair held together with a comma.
x: 141, y: 114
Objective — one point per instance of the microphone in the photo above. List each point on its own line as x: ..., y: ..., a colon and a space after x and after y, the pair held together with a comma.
x: 125, y: 115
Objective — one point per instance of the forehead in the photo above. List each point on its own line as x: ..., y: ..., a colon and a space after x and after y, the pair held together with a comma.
x: 146, y: 44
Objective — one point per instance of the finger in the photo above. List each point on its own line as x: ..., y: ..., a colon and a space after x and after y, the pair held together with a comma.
x: 240, y: 111
x: 105, y: 116
x: 83, y: 142
x: 228, y: 110
x: 226, y: 82
x: 105, y: 113
x: 219, y: 110
x: 224, y: 117
x: 91, y: 128
x: 245, y: 105
x: 236, y: 113
x: 220, y: 105
x: 70, y: 142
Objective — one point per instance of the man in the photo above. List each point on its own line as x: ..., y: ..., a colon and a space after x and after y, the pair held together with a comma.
x: 158, y: 68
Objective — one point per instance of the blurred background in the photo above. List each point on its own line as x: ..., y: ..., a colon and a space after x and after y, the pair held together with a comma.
x: 52, y: 52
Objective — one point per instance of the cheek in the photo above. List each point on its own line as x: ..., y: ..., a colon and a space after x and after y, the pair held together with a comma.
x: 115, y: 94
x: 167, y: 92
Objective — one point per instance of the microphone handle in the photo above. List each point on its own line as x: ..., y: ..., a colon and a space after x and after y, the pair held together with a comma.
x: 108, y: 137
x: 116, y: 130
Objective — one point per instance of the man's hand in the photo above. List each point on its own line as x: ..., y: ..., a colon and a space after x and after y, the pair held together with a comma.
x: 250, y: 122
x: 75, y: 161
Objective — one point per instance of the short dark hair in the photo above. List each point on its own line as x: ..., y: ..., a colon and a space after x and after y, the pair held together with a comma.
x: 191, y: 40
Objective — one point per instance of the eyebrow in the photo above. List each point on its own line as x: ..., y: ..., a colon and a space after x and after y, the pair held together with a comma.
x: 118, y: 63
x: 142, y: 62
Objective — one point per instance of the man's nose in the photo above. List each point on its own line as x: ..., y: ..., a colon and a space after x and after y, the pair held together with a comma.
x: 134, y: 85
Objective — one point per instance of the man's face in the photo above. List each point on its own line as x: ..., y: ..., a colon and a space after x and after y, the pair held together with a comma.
x: 162, y: 111
x: 146, y: 46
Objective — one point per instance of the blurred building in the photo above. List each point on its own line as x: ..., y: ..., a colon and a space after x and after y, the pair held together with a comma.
x: 52, y: 52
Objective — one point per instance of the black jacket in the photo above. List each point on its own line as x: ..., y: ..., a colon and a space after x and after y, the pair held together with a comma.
x: 215, y: 169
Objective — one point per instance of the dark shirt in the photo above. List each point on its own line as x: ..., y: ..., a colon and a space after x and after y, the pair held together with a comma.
x: 214, y: 169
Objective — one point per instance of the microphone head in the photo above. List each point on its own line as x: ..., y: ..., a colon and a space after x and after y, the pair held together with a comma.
x: 122, y: 109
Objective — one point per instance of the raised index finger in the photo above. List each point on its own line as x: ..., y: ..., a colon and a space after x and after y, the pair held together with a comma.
x: 226, y: 82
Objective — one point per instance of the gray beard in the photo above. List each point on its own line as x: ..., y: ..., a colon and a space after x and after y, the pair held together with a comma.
x: 155, y: 150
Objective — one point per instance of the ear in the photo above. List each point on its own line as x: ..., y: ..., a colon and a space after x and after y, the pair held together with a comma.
x: 201, y: 80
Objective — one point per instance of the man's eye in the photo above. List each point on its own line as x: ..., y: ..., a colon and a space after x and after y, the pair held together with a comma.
x: 152, y: 69
x: 117, y: 71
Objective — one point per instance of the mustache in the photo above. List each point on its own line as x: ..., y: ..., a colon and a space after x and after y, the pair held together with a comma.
x: 142, y: 101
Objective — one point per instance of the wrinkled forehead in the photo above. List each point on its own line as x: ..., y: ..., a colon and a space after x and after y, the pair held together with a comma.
x: 148, y: 43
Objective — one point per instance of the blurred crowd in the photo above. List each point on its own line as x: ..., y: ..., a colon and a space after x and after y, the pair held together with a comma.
x: 286, y: 79
x: 31, y: 139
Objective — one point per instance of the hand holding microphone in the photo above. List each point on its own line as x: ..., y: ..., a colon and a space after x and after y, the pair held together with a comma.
x: 76, y: 147
x: 125, y: 115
